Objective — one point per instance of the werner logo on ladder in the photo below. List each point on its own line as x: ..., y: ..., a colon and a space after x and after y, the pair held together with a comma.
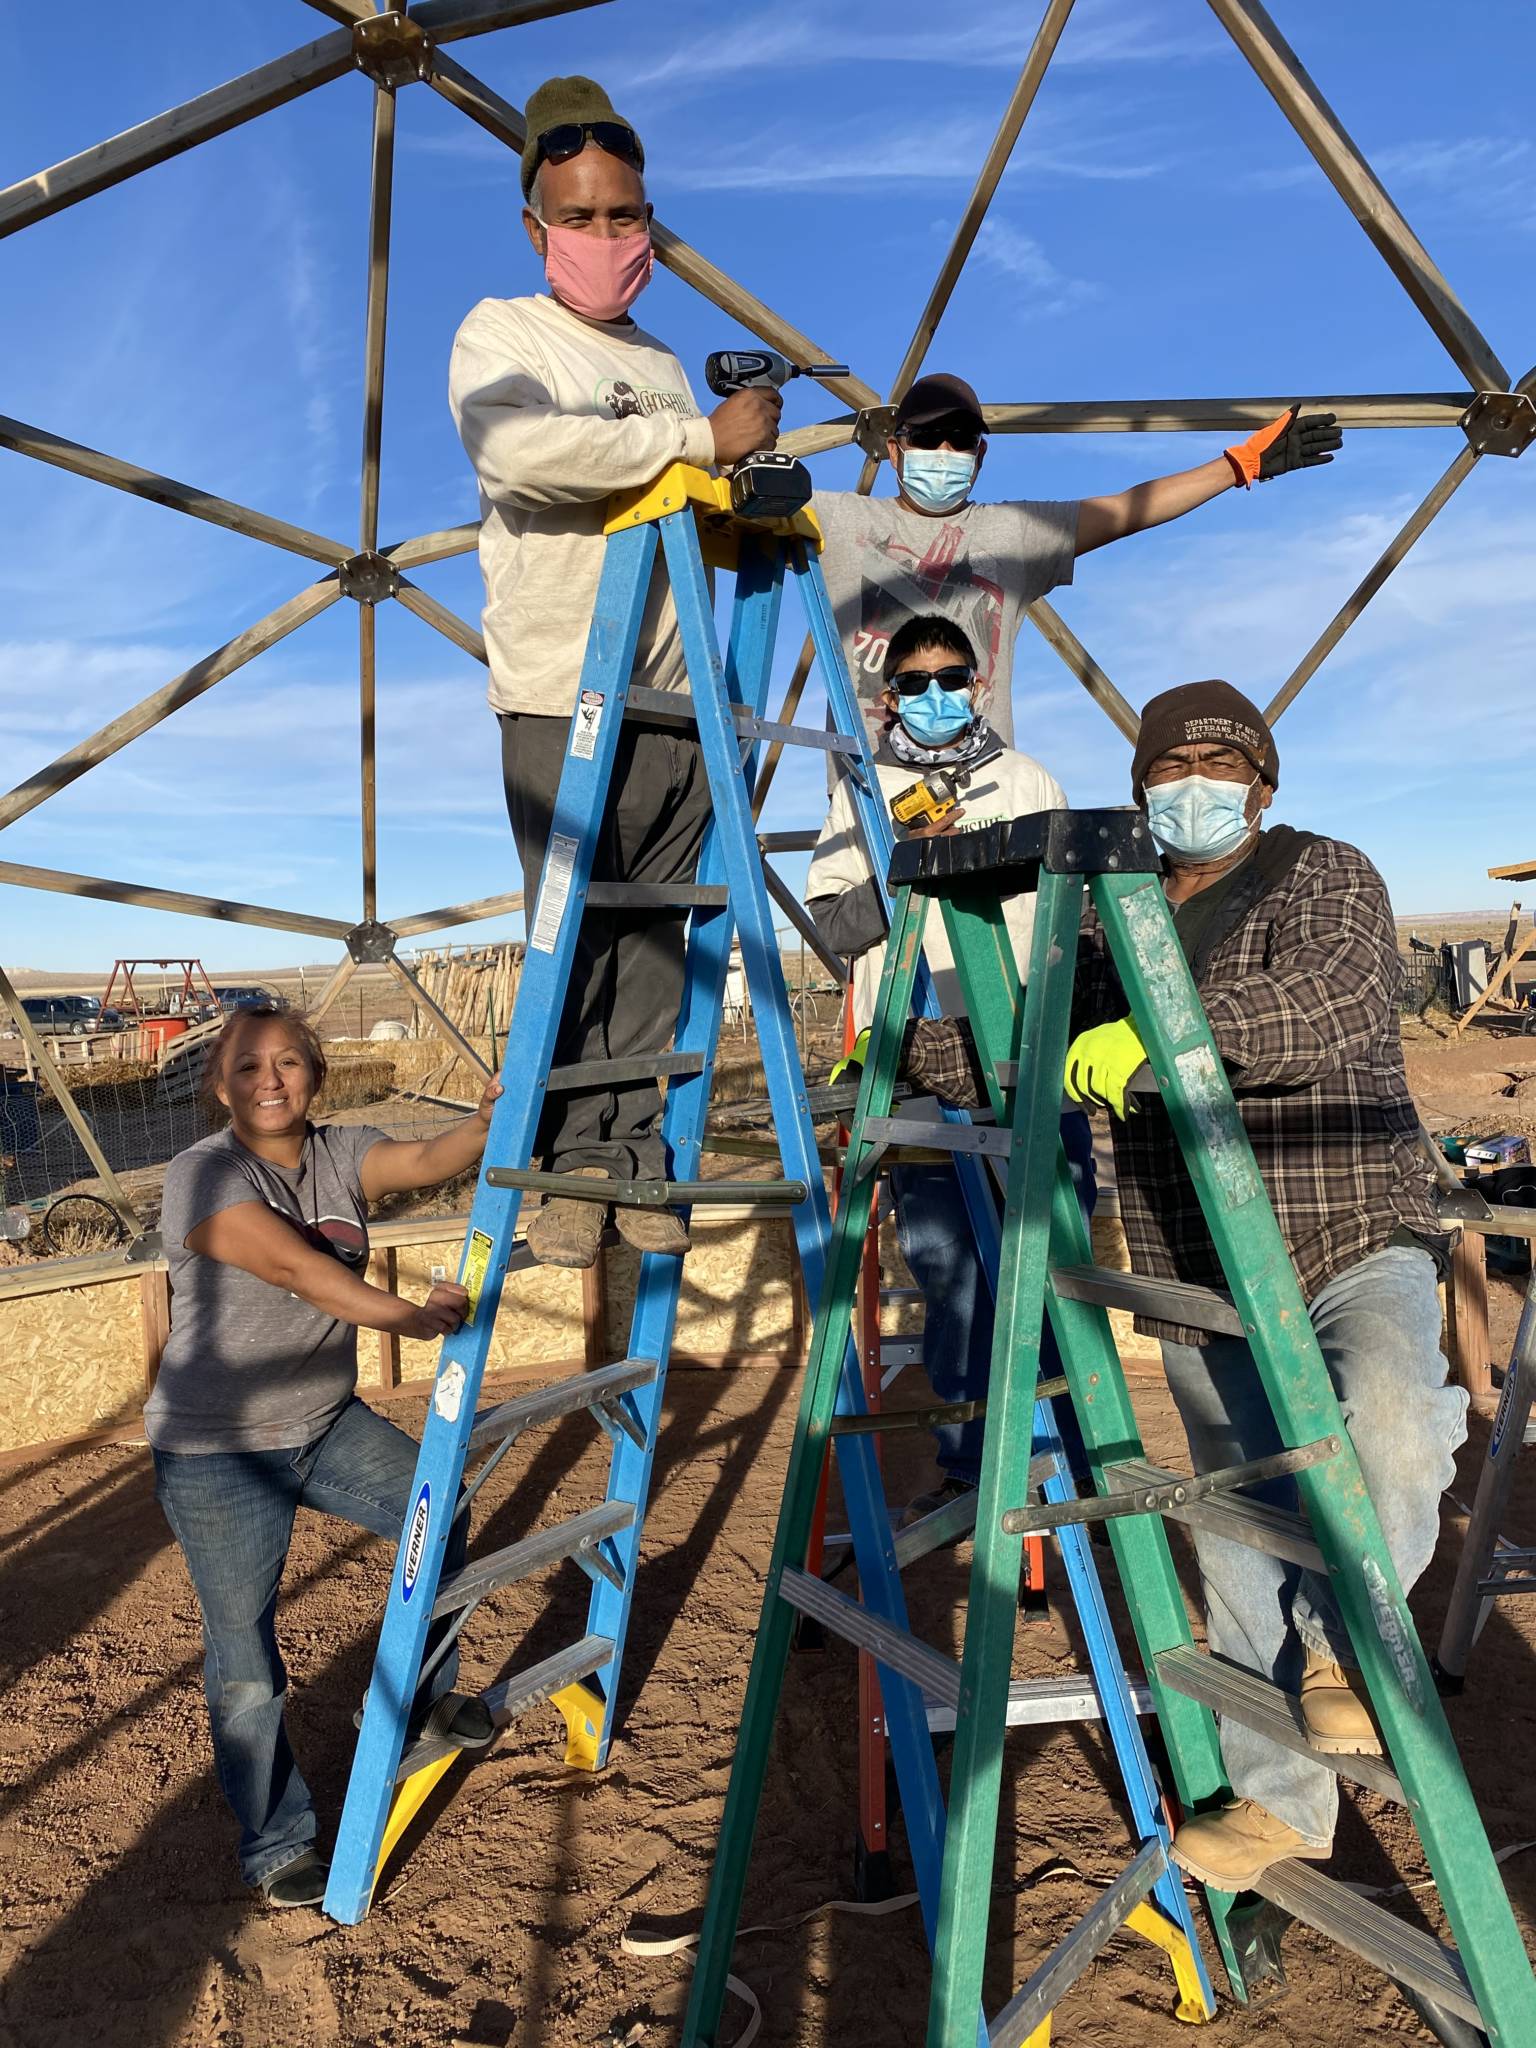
x: 690, y: 514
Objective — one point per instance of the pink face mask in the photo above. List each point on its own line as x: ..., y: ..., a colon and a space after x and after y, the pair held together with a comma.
x: 598, y: 276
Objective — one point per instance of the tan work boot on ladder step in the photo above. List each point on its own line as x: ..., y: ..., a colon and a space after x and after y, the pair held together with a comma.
x: 566, y: 1232
x: 1335, y: 1709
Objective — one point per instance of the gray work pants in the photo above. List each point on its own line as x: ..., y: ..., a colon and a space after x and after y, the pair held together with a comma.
x: 627, y: 976
x: 1378, y: 1328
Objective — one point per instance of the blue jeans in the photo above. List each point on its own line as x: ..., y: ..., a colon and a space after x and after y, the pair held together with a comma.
x: 232, y: 1513
x: 1378, y: 1327
x: 935, y: 1238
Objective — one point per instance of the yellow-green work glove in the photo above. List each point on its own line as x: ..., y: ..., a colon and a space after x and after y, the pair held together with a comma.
x: 1100, y: 1062
x: 852, y: 1063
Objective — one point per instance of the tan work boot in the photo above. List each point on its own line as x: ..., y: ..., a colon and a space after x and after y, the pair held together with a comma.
x: 1234, y: 1846
x: 1335, y: 1709
x: 653, y: 1230
x: 565, y: 1232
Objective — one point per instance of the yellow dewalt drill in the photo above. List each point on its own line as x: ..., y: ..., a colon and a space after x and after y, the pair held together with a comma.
x: 930, y: 800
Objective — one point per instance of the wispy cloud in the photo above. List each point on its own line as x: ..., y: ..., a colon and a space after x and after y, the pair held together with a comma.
x: 1491, y: 177
x: 1100, y: 33
x: 1043, y: 289
x: 874, y: 151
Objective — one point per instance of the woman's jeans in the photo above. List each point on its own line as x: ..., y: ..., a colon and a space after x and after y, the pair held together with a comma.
x: 232, y: 1513
x: 1378, y: 1327
x: 935, y: 1238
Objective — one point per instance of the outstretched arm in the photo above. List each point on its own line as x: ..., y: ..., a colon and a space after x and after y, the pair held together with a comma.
x: 395, y: 1168
x: 1290, y: 442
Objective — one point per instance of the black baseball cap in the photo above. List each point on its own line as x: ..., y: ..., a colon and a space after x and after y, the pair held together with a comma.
x: 938, y: 396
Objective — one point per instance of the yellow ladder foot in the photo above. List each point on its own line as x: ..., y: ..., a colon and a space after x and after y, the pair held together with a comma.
x: 1153, y: 1925
x: 584, y: 1711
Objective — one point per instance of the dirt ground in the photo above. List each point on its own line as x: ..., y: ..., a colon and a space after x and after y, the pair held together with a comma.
x: 125, y: 1925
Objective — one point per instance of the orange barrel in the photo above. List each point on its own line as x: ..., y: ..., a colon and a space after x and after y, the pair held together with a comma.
x: 159, y: 1031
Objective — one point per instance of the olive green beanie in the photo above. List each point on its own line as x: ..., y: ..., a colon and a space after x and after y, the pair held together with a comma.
x: 566, y: 99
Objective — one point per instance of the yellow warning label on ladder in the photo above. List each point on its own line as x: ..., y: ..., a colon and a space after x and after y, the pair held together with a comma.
x: 477, y: 1257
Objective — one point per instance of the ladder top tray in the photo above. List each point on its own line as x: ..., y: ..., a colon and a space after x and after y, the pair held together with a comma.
x: 1005, y: 859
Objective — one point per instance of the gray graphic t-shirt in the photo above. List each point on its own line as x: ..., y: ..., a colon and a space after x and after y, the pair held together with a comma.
x: 980, y: 567
x: 248, y: 1367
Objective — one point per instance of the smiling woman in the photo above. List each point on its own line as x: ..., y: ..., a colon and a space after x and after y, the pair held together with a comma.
x: 255, y: 1412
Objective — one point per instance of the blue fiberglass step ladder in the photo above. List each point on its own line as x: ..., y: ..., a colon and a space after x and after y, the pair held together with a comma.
x: 688, y: 512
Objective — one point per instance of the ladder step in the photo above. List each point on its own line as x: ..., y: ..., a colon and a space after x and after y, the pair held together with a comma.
x: 1177, y: 1490
x: 515, y: 1695
x: 656, y: 1066
x: 520, y: 1560
x: 563, y: 1397
x: 1166, y: 1301
x: 1037, y: 1702
x: 901, y: 1351
x: 656, y: 895
x: 1033, y: 2003
x: 1275, y: 1530
x: 649, y: 1194
x: 1401, y: 1952
x: 1268, y: 1710
x: 935, y: 1675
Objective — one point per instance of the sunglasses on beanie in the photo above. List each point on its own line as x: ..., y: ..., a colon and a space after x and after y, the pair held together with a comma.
x: 559, y: 144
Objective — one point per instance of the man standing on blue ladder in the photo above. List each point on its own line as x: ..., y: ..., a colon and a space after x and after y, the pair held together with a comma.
x: 560, y: 400
x: 932, y: 548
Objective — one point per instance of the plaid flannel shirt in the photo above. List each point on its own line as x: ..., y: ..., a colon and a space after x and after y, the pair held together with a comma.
x: 1301, y: 999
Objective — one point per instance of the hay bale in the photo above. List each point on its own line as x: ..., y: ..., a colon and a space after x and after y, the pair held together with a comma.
x: 351, y: 1082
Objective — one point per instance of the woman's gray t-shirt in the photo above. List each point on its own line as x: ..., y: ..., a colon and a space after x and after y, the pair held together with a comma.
x: 247, y: 1366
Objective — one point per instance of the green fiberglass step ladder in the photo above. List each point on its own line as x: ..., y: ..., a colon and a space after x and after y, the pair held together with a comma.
x: 687, y: 514
x: 1481, y: 1990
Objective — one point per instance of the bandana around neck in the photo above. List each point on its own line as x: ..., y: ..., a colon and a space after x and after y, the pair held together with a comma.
x: 958, y: 754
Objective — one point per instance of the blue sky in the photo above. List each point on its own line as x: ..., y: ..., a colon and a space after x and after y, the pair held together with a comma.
x: 1160, y: 233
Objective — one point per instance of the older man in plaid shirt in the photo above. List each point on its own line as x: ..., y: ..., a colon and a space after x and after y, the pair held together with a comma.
x: 1291, y: 942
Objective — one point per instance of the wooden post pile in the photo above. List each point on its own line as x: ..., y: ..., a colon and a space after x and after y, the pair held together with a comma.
x: 474, y: 985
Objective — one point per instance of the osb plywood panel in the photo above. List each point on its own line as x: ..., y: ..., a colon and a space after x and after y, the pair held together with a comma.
x: 69, y: 1362
x: 738, y: 1294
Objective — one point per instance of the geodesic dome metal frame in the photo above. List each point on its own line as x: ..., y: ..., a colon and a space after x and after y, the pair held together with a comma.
x: 409, y: 46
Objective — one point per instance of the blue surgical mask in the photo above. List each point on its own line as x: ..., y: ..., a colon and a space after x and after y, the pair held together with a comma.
x: 937, y: 479
x: 1199, y: 817
x: 937, y: 715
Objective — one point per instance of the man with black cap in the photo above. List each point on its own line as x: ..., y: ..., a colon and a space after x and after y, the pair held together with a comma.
x: 561, y: 400
x: 1291, y: 942
x: 931, y: 549
x: 1290, y: 939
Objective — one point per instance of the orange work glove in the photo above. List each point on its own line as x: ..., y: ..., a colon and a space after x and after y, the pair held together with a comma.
x: 1287, y: 443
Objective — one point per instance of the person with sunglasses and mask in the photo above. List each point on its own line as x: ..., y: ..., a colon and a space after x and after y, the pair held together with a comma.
x: 933, y: 725
x: 932, y: 548
x: 561, y: 399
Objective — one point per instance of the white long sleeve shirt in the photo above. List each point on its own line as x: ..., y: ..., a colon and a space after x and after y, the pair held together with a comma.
x: 1012, y: 786
x: 556, y: 413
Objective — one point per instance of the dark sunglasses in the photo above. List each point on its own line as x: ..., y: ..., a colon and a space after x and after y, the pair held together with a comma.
x: 911, y: 682
x: 559, y: 144
x: 960, y: 433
